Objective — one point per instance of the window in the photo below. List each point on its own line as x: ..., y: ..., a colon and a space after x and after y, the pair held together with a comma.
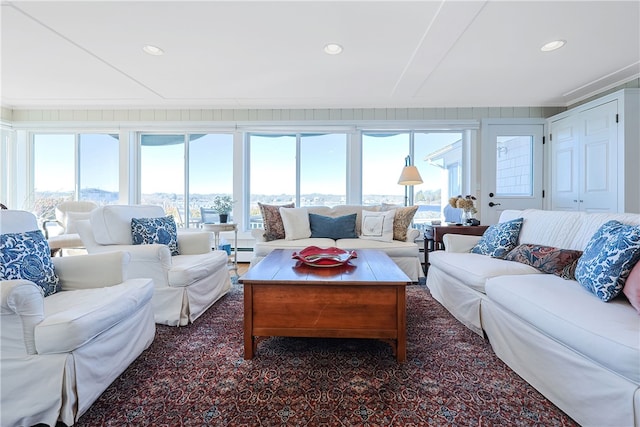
x: 438, y: 157
x: 99, y: 168
x: 183, y: 177
x: 320, y: 177
x: 210, y: 171
x: 382, y: 161
x: 436, y: 154
x: 323, y: 169
x: 184, y: 171
x: 59, y: 158
x: 514, y: 166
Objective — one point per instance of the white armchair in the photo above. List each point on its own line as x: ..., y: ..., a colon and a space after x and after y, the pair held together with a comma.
x: 186, y: 285
x: 68, y: 213
x: 60, y: 352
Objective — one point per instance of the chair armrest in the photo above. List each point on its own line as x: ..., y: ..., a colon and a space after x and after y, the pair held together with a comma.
x: 49, y: 223
x: 412, y: 234
x: 459, y: 242
x: 25, y: 299
x: 195, y: 242
x: 258, y: 234
x: 92, y: 271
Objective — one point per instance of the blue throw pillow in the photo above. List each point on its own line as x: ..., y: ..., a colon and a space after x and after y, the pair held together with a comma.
x: 342, y: 227
x: 27, y: 256
x: 163, y: 230
x: 608, y: 259
x: 499, y: 239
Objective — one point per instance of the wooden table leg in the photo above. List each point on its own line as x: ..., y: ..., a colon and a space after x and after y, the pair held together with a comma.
x: 248, y: 322
x: 401, y: 343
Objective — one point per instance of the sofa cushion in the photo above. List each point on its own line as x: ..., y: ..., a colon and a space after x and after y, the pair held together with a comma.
x: 401, y: 220
x: 608, y: 334
x: 608, y: 259
x: 111, y: 224
x: 377, y: 225
x: 188, y: 269
x: 342, y: 227
x: 296, y: 223
x: 272, y: 221
x: 28, y: 256
x: 394, y: 248
x: 73, y: 318
x: 499, y: 239
x: 545, y: 258
x: 632, y: 287
x: 591, y: 222
x: 562, y: 229
x: 474, y: 270
x: 146, y: 231
x: 548, y: 228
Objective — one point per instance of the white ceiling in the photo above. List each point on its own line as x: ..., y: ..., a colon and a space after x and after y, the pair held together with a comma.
x: 266, y: 54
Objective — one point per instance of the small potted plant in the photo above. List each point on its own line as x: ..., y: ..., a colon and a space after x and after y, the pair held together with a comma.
x: 223, y: 206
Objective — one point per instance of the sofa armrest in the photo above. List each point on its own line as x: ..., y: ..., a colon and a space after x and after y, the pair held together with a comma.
x: 459, y: 242
x: 25, y: 299
x: 195, y: 242
x: 258, y: 235
x: 92, y: 271
x: 412, y: 234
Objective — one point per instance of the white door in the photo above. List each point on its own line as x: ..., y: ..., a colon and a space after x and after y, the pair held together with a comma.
x: 565, y: 164
x: 512, y: 165
x: 584, y: 155
x: 598, y: 184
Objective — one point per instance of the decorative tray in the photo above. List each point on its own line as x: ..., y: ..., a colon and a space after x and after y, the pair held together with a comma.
x: 324, y: 257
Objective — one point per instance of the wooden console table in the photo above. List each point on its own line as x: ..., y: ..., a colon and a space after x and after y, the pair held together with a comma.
x: 433, y: 236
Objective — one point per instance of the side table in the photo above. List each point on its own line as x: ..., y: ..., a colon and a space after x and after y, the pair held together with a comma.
x: 216, y: 228
x: 433, y: 236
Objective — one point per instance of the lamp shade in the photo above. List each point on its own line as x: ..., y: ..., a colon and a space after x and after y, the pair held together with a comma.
x: 410, y: 176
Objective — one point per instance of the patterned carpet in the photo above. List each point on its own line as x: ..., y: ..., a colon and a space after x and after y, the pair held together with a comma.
x: 196, y: 376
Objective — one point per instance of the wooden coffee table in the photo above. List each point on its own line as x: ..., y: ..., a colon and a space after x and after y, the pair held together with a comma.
x: 363, y: 299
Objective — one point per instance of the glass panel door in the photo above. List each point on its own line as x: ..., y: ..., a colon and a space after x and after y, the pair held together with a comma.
x: 512, y: 168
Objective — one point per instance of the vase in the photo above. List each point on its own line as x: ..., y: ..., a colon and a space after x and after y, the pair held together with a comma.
x: 224, y: 218
x: 467, y: 216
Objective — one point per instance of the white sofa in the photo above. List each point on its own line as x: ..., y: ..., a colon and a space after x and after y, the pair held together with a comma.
x: 581, y: 353
x: 404, y: 253
x: 60, y: 352
x: 186, y: 285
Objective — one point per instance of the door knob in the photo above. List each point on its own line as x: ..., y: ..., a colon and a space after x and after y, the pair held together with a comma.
x: 491, y: 204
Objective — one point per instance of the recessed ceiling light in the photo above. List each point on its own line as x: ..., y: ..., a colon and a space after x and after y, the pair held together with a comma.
x: 333, y: 49
x: 152, y: 50
x: 556, y: 44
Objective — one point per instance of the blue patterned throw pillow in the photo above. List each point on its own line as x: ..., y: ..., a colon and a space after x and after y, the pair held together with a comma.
x: 499, y: 239
x: 27, y: 256
x: 608, y: 259
x: 163, y: 230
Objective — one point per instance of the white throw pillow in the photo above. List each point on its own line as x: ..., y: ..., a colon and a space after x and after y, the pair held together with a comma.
x: 377, y: 225
x: 296, y: 223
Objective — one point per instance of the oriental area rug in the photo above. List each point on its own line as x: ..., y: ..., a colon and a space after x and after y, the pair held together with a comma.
x: 196, y: 376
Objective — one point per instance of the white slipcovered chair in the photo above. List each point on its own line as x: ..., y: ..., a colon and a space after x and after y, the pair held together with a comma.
x: 186, y: 285
x: 60, y: 352
x: 67, y: 214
